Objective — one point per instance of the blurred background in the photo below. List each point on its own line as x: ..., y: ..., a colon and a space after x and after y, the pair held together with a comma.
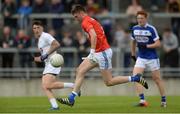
x: 21, y: 77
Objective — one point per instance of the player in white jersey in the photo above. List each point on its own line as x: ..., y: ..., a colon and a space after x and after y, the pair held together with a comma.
x: 48, y: 46
x: 147, y: 39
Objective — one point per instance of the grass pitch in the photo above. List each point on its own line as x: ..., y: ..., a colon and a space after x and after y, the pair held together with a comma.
x: 90, y: 104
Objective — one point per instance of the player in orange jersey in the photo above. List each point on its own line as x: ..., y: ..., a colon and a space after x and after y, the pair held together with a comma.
x: 100, y: 55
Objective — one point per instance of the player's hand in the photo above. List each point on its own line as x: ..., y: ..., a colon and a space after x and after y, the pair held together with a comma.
x: 140, y: 45
x: 37, y: 59
x: 133, y: 58
x: 43, y: 57
x: 31, y: 58
x: 92, y: 56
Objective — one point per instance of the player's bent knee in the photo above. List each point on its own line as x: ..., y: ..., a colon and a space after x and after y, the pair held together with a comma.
x: 46, y: 86
x: 156, y: 79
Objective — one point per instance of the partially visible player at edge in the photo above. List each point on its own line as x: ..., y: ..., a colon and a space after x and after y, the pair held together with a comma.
x: 48, y: 46
x: 100, y: 55
x: 147, y: 39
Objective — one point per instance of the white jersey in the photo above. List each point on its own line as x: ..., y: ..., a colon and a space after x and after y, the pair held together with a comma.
x: 44, y: 44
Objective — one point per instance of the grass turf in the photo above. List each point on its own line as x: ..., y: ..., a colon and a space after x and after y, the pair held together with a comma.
x: 89, y: 104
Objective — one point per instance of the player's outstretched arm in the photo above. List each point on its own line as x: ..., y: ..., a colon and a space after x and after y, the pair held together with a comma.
x: 54, y: 46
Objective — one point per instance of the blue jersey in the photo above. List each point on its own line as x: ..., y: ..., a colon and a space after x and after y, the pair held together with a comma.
x: 145, y: 35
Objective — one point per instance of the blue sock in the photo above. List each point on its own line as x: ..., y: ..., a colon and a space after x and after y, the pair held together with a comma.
x: 141, y: 96
x: 163, y: 98
x: 135, y: 78
x: 71, y: 97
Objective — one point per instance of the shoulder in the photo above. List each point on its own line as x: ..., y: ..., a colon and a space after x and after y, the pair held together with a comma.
x: 87, y: 19
x: 151, y: 27
x: 135, y: 27
x: 45, y: 34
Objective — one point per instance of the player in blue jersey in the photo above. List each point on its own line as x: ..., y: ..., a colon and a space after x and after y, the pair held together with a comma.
x: 146, y: 38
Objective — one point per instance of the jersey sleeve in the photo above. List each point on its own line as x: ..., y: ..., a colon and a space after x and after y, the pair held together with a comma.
x: 87, y: 26
x: 155, y: 35
x: 49, y: 39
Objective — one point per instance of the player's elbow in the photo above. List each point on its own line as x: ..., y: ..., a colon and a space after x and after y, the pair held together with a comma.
x: 159, y: 45
x: 57, y: 44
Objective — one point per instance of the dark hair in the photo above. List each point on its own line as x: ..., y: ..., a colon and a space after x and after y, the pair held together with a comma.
x: 37, y: 23
x: 167, y: 29
x: 77, y: 8
x: 142, y: 13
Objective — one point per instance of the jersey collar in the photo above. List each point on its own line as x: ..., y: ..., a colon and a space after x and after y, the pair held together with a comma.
x: 144, y: 25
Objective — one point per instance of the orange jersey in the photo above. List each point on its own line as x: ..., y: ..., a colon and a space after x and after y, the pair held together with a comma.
x: 90, y: 23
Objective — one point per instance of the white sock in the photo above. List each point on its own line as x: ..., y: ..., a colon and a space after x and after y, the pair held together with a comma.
x: 53, y: 102
x: 129, y: 78
x: 142, y: 101
x: 68, y: 85
x: 75, y: 93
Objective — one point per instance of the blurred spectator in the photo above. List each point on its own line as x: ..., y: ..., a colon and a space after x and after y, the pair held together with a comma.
x: 24, y: 11
x: 170, y: 47
x: 81, y: 44
x: 23, y: 42
x: 70, y: 3
x: 127, y: 53
x: 118, y: 36
x: 92, y: 7
x: 7, y: 42
x: 55, y: 34
x: 40, y: 6
x: 131, y: 12
x: 154, y: 5
x: 174, y: 7
x: 18, y: 2
x: 67, y: 41
x: 56, y: 7
x: 8, y: 9
x: 134, y: 8
x: 122, y: 41
x: 107, y: 25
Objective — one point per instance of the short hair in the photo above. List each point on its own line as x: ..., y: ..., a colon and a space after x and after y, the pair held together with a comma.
x: 167, y: 29
x: 142, y: 13
x: 77, y: 8
x: 37, y: 22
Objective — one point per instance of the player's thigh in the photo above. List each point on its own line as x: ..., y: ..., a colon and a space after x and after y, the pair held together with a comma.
x: 47, y: 79
x: 104, y: 59
x: 153, y: 64
x: 137, y: 70
x: 85, y: 66
x: 139, y: 66
x: 106, y: 74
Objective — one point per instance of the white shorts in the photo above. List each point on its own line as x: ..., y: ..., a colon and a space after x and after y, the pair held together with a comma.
x: 49, y: 69
x: 104, y: 59
x: 151, y: 64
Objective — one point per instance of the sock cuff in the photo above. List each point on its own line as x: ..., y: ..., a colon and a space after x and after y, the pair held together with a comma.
x: 129, y: 77
x: 52, y: 99
x: 68, y: 85
x: 74, y: 93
